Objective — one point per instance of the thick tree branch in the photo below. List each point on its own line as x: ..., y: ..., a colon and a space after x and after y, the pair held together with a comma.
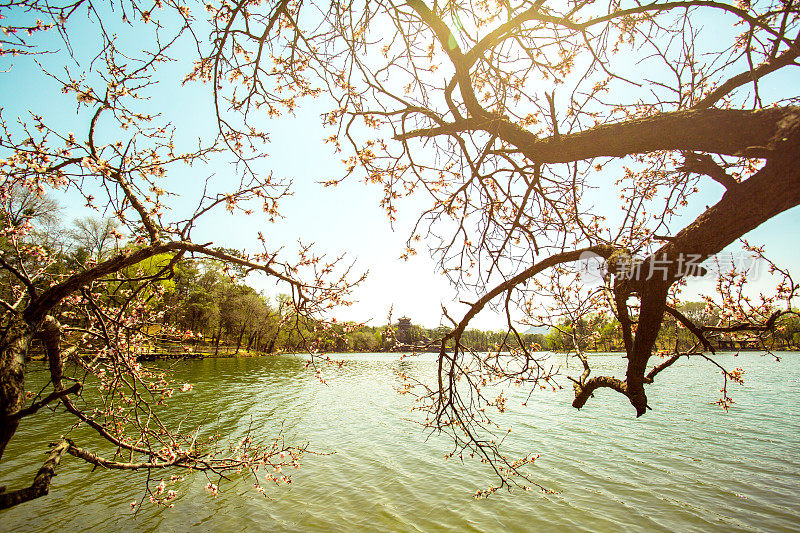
x: 721, y: 131
x: 96, y: 460
x: 450, y: 46
x: 20, y: 276
x: 528, y: 273
x: 31, y: 409
x: 688, y: 324
x: 705, y: 164
x: 45, y: 301
x: 41, y: 483
x: 745, y: 207
x: 584, y: 391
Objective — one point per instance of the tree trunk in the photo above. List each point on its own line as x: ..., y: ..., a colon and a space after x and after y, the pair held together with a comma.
x: 239, y: 340
x: 15, y: 339
x: 653, y: 299
x: 742, y: 208
x: 271, y: 347
x: 216, y: 342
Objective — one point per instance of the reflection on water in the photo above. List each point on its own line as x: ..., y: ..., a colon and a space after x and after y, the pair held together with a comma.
x: 684, y: 466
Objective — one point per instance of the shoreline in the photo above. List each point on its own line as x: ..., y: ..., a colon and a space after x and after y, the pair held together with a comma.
x: 245, y: 355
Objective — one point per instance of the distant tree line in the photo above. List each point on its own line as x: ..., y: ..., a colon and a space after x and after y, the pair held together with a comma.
x: 600, y: 332
x: 206, y: 306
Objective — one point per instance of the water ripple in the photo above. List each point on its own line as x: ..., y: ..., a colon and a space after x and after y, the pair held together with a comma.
x: 685, y: 466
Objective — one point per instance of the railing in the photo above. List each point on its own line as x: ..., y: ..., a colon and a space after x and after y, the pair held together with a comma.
x: 186, y: 351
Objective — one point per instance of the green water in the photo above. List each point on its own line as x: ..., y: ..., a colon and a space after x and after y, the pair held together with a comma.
x: 685, y: 466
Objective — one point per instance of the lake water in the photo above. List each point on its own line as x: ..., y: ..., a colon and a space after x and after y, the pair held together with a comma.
x: 685, y: 466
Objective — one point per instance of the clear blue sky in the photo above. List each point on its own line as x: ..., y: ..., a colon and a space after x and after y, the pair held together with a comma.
x: 344, y: 219
x: 341, y: 219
